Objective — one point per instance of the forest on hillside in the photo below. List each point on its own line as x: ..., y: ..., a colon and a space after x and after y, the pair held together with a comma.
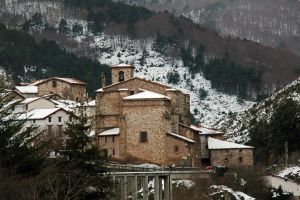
x: 25, y: 59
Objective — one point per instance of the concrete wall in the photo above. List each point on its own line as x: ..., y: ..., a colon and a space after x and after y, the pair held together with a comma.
x: 231, y: 157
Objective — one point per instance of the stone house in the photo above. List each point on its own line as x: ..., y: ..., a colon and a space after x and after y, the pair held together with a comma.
x: 26, y: 91
x: 138, y: 121
x: 68, y: 88
x: 223, y: 153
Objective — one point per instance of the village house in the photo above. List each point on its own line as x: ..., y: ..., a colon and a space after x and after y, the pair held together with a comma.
x: 28, y: 104
x: 138, y: 121
x: 26, y: 91
x: 224, y: 153
x: 51, y: 121
x: 68, y: 88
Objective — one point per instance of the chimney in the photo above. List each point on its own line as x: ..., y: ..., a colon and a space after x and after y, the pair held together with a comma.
x: 103, y: 80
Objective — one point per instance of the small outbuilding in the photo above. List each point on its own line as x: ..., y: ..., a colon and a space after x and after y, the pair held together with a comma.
x: 224, y: 153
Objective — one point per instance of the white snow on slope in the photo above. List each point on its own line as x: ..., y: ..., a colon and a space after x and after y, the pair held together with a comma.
x: 210, y: 111
x: 238, y: 195
x: 290, y: 171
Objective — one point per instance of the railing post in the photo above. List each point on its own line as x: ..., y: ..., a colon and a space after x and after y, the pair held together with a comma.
x: 156, y: 188
x: 135, y: 188
x: 145, y: 188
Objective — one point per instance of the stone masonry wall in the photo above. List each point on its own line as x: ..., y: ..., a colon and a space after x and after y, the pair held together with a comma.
x: 232, y: 157
x: 64, y: 89
x: 146, y: 116
x: 179, y: 157
x: 111, y: 143
x: 128, y: 73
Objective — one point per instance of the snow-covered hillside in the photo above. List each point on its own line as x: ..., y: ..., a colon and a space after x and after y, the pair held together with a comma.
x: 238, y: 125
x: 152, y: 65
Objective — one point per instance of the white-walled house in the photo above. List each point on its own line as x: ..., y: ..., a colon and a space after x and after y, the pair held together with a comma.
x: 52, y: 121
x: 27, y: 91
x: 33, y: 103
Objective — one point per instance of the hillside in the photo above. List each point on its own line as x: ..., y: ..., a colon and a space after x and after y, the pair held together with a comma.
x: 270, y: 68
x: 269, y: 125
x: 273, y: 23
x: 25, y: 60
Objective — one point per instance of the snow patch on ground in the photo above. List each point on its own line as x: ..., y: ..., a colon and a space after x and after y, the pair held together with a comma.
x: 238, y: 195
x: 185, y: 183
x: 290, y: 172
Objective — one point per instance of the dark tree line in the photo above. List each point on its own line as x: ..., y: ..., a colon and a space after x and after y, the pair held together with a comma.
x: 19, y: 50
x: 269, y: 136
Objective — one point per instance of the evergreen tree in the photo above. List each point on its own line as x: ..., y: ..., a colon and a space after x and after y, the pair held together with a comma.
x: 78, y: 174
x: 19, y: 149
x: 63, y: 27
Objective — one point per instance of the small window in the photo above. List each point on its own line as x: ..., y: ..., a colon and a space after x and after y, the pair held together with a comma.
x: 49, y: 119
x: 77, y: 99
x: 143, y: 137
x: 206, y: 146
x: 240, y: 150
x: 54, y: 84
x: 176, y: 148
x: 241, y: 159
x: 60, y: 130
x: 226, y: 160
x: 113, y: 138
x: 59, y: 119
x: 34, y: 121
x: 113, y: 151
x: 49, y: 129
x: 131, y: 92
x: 121, y: 76
x: 26, y: 107
x: 105, y: 139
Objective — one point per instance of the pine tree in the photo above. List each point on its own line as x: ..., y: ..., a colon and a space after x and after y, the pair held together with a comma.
x: 78, y: 173
x: 19, y: 150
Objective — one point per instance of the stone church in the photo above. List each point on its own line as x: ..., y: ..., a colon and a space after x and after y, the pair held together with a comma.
x: 140, y: 121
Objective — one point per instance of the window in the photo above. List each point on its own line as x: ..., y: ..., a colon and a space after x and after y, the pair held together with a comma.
x: 77, y: 99
x: 226, y: 160
x: 105, y: 139
x: 26, y: 107
x: 241, y: 159
x: 131, y: 92
x: 121, y: 76
x: 143, y: 137
x: 59, y: 130
x: 54, y: 84
x: 176, y: 148
x: 34, y: 121
x: 113, y: 138
x: 113, y: 151
x: 240, y: 150
x: 49, y: 129
x: 59, y: 119
x: 49, y: 119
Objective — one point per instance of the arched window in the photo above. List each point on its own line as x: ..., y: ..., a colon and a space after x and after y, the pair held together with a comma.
x: 121, y: 76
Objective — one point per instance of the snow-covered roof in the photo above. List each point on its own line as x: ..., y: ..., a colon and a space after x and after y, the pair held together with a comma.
x: 29, y: 100
x: 39, y: 113
x: 91, y: 103
x: 68, y: 80
x: 146, y: 95
x: 182, y: 137
x: 29, y: 89
x: 221, y: 144
x: 206, y: 131
x: 122, y: 65
x: 109, y: 132
x: 100, y: 90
